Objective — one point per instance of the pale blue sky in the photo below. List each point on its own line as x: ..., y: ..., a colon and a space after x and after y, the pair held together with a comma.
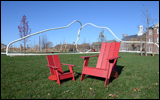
x: 122, y: 17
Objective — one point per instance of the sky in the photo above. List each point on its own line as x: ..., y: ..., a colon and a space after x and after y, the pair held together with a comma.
x: 121, y: 17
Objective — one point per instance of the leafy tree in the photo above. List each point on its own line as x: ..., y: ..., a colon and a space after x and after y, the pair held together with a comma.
x: 24, y: 30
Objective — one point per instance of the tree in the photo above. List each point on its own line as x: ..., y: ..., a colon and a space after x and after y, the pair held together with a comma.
x: 49, y: 45
x: 24, y: 30
x: 85, y: 46
x: 140, y: 37
x: 101, y: 38
x: 146, y: 20
x: 44, y: 42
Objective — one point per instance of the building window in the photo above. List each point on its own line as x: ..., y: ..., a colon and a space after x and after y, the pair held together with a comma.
x: 150, y: 49
x: 158, y: 40
x: 150, y: 40
x: 158, y: 31
x: 150, y: 32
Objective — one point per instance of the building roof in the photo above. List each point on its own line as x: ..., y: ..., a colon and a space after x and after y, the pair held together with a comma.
x: 126, y: 38
x: 3, y: 44
x: 154, y: 26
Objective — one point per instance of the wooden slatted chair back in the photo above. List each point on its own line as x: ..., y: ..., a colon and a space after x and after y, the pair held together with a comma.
x: 53, y: 60
x: 107, y: 50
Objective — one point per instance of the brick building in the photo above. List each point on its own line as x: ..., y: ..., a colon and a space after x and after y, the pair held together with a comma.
x: 132, y: 46
x: 153, y: 36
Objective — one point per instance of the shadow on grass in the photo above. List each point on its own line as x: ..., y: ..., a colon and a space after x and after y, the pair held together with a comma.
x: 118, y: 69
x: 77, y: 75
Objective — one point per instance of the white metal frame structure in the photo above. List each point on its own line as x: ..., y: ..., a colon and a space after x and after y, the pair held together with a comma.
x: 118, y: 38
x: 12, y: 54
x: 19, y: 54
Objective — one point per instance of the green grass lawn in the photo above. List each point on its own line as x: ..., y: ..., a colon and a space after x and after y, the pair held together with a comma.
x: 26, y: 77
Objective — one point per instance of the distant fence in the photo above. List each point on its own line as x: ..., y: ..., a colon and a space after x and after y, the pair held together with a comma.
x: 136, y: 51
x: 2, y: 53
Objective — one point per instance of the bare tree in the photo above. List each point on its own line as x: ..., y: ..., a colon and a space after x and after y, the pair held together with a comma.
x: 49, y: 45
x: 21, y: 47
x: 39, y: 43
x: 2, y: 45
x: 101, y: 39
x: 140, y: 39
x: 34, y: 45
x: 141, y: 45
x: 36, y: 48
x: 146, y: 20
x: 24, y: 30
x: 84, y: 46
x: 44, y: 42
x: 71, y: 48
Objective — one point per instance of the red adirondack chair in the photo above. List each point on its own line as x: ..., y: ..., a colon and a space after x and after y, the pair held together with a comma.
x: 56, y: 69
x: 106, y: 64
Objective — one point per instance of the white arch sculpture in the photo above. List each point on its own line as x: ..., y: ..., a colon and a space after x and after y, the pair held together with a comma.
x: 118, y: 38
x: 75, y: 42
x: 10, y: 54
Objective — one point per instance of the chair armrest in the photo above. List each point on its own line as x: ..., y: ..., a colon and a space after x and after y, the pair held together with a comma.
x: 112, y: 58
x: 53, y: 66
x: 68, y: 64
x: 89, y: 56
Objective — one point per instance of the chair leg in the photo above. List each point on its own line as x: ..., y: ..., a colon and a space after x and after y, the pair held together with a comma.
x: 71, y: 71
x: 82, y: 77
x: 58, y: 79
x: 106, y: 82
x: 73, y: 78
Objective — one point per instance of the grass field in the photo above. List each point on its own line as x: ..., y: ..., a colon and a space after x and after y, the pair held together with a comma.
x: 26, y: 77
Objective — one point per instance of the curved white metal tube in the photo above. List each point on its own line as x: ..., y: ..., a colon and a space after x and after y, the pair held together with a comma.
x: 156, y: 45
x: 117, y: 37
x: 30, y: 54
x: 77, y: 38
x: 41, y: 32
x: 94, y: 26
x: 102, y: 27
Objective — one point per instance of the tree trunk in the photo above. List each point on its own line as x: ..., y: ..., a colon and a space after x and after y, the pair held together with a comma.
x: 146, y: 45
x: 21, y: 48
x: 141, y: 49
x: 153, y: 45
x: 153, y: 50
x: 141, y: 46
x: 24, y: 47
